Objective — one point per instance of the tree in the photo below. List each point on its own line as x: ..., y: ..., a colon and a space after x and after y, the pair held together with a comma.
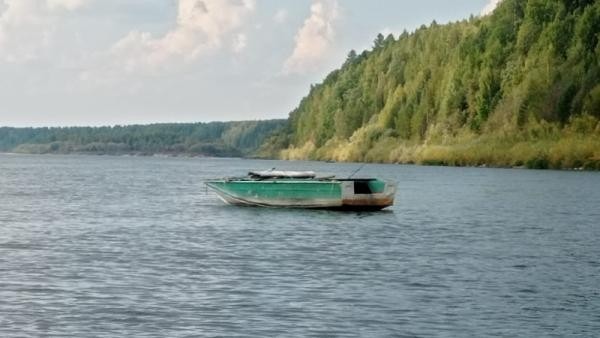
x: 531, y: 60
x: 379, y: 41
x: 351, y: 58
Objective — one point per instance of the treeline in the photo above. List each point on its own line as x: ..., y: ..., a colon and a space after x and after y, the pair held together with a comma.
x: 519, y: 87
x: 207, y: 139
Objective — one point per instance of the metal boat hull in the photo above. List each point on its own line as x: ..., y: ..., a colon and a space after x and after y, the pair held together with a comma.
x: 314, y: 194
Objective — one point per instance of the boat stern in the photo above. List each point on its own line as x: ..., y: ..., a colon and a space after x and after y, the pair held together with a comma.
x: 368, y: 194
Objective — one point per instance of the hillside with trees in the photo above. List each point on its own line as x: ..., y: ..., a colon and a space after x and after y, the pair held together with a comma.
x: 519, y: 87
x: 205, y: 139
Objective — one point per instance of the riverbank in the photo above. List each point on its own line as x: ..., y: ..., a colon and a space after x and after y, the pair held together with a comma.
x: 540, y: 146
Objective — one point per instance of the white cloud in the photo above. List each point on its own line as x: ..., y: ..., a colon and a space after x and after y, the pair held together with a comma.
x: 66, y: 4
x: 202, y: 26
x: 239, y: 43
x: 281, y: 16
x: 314, y: 39
x: 27, y: 27
x: 489, y: 8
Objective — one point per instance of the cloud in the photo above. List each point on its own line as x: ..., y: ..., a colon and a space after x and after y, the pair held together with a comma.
x: 281, y: 16
x: 314, y: 39
x: 201, y: 27
x: 239, y: 43
x: 489, y: 8
x: 66, y: 4
x: 28, y: 26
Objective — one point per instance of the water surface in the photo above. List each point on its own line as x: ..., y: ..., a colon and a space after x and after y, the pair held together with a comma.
x: 94, y: 246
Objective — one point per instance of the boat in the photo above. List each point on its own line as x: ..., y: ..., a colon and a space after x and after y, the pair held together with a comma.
x: 303, y: 189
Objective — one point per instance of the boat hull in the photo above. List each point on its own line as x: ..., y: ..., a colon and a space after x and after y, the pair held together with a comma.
x: 313, y: 194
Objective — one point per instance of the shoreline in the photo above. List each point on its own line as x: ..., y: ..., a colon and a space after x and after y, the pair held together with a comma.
x: 185, y: 155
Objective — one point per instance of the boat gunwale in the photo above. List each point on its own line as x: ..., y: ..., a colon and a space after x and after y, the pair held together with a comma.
x: 293, y: 180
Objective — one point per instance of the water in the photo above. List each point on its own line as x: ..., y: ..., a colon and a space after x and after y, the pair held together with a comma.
x: 129, y: 246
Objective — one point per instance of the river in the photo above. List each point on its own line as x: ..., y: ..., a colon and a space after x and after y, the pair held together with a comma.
x: 101, y: 246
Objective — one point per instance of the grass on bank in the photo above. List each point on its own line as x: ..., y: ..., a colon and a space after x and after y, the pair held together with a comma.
x: 541, y: 145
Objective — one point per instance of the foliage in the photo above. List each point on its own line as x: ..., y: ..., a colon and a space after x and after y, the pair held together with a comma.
x: 209, y: 139
x: 466, y: 93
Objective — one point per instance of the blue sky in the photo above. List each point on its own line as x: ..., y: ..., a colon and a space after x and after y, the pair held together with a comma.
x: 106, y: 62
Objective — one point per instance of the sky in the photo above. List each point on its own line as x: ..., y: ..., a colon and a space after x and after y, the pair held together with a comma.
x: 107, y: 62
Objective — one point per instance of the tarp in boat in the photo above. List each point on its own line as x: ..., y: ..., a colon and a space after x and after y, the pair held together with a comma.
x: 282, y: 174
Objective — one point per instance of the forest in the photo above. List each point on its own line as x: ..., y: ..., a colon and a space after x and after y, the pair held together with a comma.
x: 516, y: 88
x: 225, y: 139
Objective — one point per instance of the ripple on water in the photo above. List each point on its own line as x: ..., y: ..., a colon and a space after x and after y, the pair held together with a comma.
x: 110, y: 246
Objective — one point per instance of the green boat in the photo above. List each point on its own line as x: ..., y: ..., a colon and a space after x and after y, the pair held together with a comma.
x: 296, y: 189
